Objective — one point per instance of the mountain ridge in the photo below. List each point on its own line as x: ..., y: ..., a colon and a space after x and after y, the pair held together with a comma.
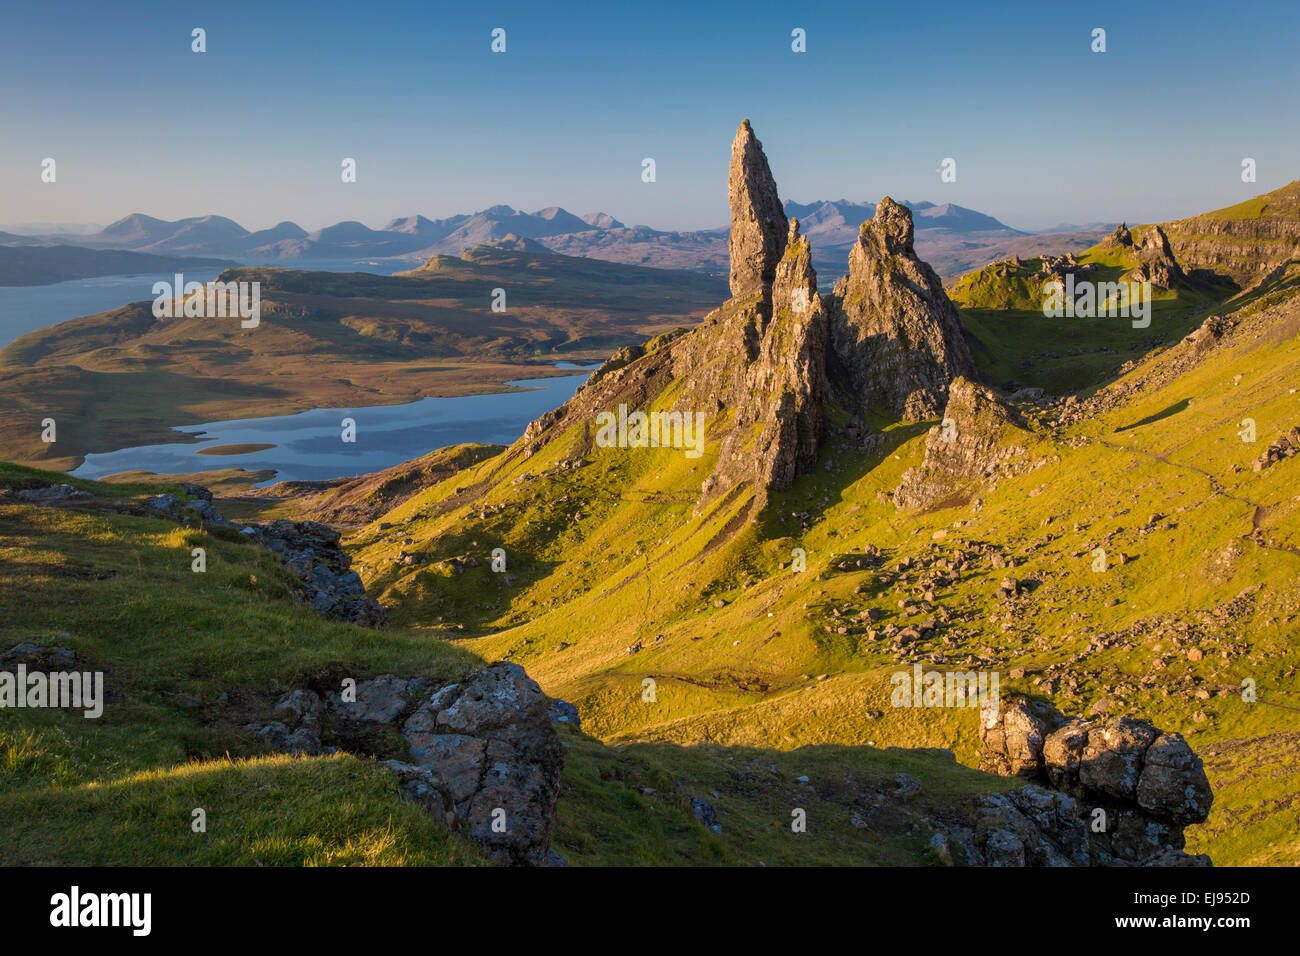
x: 952, y: 235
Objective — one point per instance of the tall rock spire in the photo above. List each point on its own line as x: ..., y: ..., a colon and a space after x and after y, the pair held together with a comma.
x: 758, y: 223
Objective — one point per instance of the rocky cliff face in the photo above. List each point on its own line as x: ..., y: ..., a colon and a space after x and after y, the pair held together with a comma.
x: 895, y: 331
x: 764, y: 371
x: 758, y: 223
x: 1244, y: 242
x: 1158, y: 266
x: 978, y: 442
x: 765, y: 365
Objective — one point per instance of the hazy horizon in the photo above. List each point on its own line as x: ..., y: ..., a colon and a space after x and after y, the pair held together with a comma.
x: 70, y: 229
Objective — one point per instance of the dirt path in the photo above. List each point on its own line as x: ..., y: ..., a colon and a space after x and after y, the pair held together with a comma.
x: 1256, y: 536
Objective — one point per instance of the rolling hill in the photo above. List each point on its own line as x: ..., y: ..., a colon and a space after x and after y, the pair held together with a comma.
x: 330, y: 340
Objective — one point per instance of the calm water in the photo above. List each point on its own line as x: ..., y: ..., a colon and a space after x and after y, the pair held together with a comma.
x: 308, y: 446
x: 26, y: 308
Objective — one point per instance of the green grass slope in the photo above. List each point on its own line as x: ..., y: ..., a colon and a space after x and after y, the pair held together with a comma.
x: 119, y: 592
x: 190, y: 658
x: 616, y: 578
x: 1017, y: 346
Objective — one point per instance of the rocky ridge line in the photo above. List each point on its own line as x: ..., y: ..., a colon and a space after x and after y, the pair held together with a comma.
x: 764, y: 367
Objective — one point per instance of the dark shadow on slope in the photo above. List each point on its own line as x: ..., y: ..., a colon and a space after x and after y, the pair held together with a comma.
x: 807, y: 500
x: 1172, y: 410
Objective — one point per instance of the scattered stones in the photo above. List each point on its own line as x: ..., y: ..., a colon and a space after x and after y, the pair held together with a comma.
x: 563, y: 712
x: 38, y: 657
x: 1283, y: 447
x: 705, y: 814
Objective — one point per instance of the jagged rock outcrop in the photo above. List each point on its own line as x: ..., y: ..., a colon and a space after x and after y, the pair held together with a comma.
x: 1147, y: 784
x: 202, y: 509
x: 895, y: 331
x: 311, y: 551
x: 762, y: 368
x: 1158, y: 265
x: 778, y: 406
x: 1209, y: 332
x: 1120, y: 237
x: 978, y: 442
x: 48, y: 495
x: 758, y: 224
x: 1284, y: 446
x: 483, y: 756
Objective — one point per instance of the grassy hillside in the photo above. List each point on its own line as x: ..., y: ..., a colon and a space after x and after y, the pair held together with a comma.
x: 119, y: 592
x: 1016, y: 345
x: 616, y: 577
x: 190, y: 658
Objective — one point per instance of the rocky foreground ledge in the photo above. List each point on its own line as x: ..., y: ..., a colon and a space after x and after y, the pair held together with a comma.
x: 481, y: 755
x: 309, y: 550
x: 1112, y: 792
x: 484, y: 758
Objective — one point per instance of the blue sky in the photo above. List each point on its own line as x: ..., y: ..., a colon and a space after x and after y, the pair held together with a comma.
x: 1042, y: 129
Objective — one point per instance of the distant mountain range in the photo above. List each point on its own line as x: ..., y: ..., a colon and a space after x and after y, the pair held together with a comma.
x: 953, y: 238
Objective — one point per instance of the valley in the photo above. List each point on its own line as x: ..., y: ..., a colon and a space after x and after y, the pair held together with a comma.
x: 894, y: 477
x: 329, y: 340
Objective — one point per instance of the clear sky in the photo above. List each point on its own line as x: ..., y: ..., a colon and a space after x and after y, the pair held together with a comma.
x: 1042, y: 129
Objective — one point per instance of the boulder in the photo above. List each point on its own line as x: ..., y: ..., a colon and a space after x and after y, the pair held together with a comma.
x: 979, y: 441
x: 487, y: 757
x: 1147, y: 784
